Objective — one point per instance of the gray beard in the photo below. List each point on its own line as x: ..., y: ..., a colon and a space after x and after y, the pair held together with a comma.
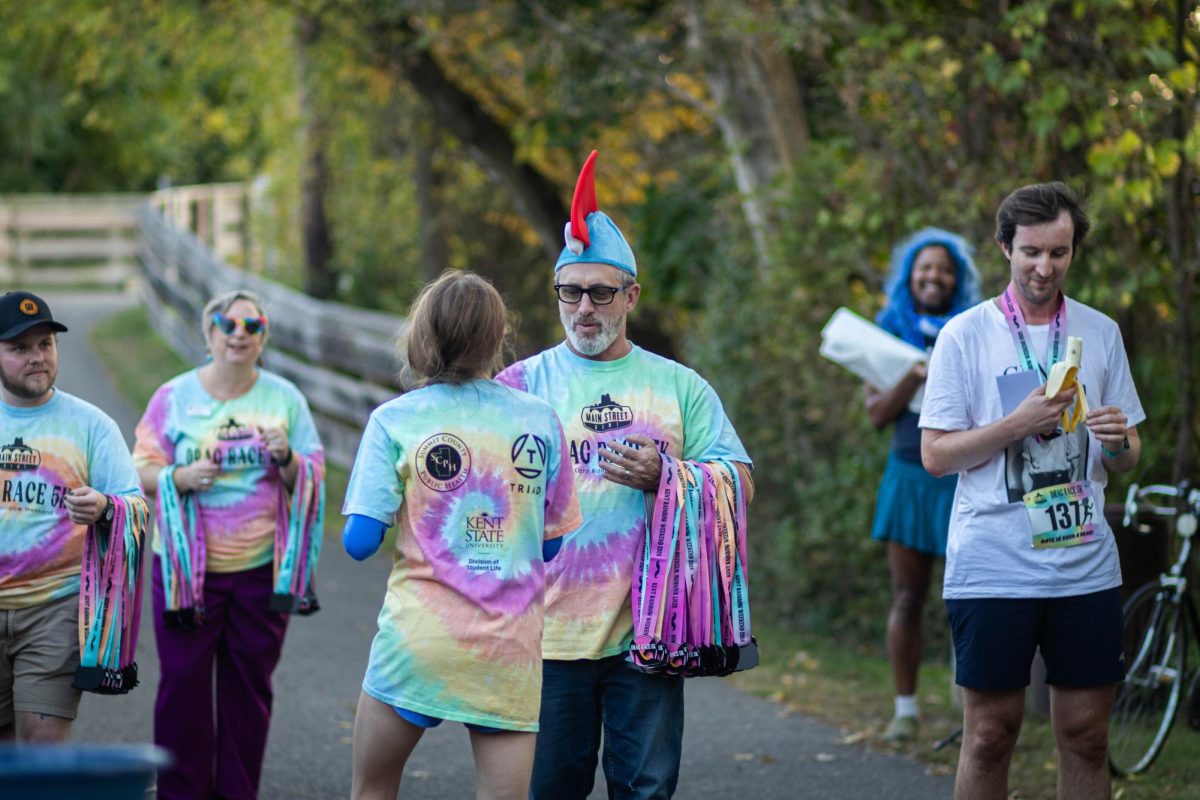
x: 590, y: 345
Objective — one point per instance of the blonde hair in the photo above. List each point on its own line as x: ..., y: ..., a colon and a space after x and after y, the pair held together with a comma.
x: 456, y: 329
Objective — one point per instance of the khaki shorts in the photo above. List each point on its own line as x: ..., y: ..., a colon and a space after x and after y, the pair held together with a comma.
x: 39, y: 651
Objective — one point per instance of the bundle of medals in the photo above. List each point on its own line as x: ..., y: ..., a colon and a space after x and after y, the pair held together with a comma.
x: 299, y: 527
x: 184, y: 555
x: 110, y: 598
x: 299, y: 522
x: 691, y: 603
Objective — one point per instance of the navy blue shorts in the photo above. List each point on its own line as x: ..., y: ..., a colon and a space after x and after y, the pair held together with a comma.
x: 1080, y: 637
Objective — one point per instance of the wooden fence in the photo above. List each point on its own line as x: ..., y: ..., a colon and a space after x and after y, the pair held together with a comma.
x: 215, y: 213
x: 342, y: 358
x: 68, y: 240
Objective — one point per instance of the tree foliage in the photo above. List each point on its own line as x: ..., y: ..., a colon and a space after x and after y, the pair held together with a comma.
x: 116, y: 96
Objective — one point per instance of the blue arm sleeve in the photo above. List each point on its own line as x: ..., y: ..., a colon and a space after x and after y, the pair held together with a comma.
x: 550, y: 547
x: 362, y: 536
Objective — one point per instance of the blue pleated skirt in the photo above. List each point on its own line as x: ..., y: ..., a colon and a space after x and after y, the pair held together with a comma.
x: 912, y: 507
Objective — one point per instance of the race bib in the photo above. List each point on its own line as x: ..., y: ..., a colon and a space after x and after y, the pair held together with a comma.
x: 1063, y: 515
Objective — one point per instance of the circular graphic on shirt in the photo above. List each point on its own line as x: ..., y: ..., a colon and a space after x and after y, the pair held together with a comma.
x: 443, y: 462
x: 529, y: 455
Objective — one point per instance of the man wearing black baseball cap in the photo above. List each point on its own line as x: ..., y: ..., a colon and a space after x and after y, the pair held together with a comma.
x: 54, y: 448
x: 25, y: 318
x: 20, y: 311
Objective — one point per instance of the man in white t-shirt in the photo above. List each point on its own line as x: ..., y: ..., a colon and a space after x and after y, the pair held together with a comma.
x: 1031, y: 562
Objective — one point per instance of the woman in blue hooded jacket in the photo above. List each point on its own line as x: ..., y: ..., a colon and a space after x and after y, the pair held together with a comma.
x: 932, y: 278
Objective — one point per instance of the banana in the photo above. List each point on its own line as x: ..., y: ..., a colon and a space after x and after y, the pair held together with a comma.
x: 1064, y: 375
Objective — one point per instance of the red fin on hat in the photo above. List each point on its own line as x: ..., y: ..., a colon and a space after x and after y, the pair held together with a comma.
x: 584, y: 201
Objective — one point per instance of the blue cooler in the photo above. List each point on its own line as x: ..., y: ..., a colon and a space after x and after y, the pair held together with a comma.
x: 96, y: 772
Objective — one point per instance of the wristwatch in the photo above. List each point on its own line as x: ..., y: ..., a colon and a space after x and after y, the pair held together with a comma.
x: 109, y: 510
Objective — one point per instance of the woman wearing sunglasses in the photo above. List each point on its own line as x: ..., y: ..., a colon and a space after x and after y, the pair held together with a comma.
x: 230, y: 453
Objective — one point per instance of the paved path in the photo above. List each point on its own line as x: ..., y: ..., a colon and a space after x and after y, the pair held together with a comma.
x: 735, y: 745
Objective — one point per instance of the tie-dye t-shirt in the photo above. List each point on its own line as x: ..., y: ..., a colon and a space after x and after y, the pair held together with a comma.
x: 184, y: 423
x: 475, y: 474
x: 587, y: 584
x: 45, y: 451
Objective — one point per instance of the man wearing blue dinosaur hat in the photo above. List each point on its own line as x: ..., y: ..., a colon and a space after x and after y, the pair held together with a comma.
x: 621, y: 406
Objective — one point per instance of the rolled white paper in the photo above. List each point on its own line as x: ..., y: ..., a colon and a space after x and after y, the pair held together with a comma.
x: 870, y: 352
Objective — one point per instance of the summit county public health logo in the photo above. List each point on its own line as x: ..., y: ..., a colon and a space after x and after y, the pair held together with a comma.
x: 233, y: 431
x: 606, y: 415
x: 18, y: 455
x: 529, y: 455
x: 443, y: 462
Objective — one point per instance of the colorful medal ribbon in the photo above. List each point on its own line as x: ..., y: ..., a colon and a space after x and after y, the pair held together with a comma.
x: 646, y: 596
x: 691, y: 603
x: 1059, y: 373
x: 299, y: 528
x: 183, y: 559
x: 110, y: 598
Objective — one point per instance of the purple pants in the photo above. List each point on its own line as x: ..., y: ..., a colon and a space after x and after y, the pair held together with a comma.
x: 240, y: 642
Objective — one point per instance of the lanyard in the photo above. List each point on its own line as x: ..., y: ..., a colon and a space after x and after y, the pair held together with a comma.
x: 674, y: 623
x: 647, y: 593
x: 699, y: 586
x: 1019, y: 330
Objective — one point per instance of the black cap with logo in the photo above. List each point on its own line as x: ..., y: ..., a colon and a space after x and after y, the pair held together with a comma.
x: 20, y: 311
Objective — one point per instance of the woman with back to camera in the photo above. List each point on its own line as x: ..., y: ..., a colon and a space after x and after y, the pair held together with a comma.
x: 932, y: 278
x: 230, y: 452
x: 477, y: 476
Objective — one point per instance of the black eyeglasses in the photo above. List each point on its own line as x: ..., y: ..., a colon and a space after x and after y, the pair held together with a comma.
x: 571, y: 294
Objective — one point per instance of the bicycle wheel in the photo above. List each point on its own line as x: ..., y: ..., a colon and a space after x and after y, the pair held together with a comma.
x: 1155, y: 651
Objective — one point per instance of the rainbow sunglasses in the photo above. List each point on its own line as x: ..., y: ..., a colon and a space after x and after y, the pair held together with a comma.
x: 252, y: 325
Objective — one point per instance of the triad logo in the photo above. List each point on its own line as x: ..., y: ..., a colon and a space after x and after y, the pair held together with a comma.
x: 606, y: 415
x: 19, y: 456
x: 529, y: 455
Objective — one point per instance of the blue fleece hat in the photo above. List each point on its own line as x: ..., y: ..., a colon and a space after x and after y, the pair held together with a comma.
x: 591, y: 236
